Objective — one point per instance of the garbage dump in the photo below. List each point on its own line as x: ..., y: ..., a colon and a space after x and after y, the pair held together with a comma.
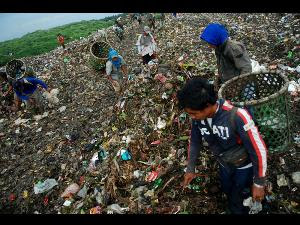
x: 108, y: 154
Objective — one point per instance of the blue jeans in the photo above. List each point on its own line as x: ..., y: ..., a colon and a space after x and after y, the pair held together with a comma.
x: 236, y: 184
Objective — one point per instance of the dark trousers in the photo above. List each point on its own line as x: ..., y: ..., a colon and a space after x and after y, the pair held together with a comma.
x: 236, y: 184
x: 147, y: 58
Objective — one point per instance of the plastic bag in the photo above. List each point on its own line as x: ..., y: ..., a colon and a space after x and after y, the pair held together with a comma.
x: 42, y: 187
x: 255, y: 207
x: 71, y: 189
x: 256, y: 68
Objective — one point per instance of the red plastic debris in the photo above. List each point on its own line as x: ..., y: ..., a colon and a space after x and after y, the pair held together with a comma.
x: 46, y: 200
x: 156, y: 142
x: 12, y: 197
x: 81, y: 180
x: 152, y: 176
x: 161, y: 78
x: 96, y: 210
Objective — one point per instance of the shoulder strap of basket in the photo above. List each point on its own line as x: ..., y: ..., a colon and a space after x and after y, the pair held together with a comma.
x: 232, y: 116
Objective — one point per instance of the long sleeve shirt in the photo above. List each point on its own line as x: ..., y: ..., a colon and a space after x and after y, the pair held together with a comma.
x: 30, y: 88
x: 245, y: 132
x: 146, y: 44
x: 232, y: 60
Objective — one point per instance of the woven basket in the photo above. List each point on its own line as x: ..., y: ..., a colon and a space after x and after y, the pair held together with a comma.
x: 99, y: 52
x: 265, y: 95
x: 13, y: 67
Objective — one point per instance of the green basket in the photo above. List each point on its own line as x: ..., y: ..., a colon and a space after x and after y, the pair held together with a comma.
x: 99, y: 51
x: 266, y: 95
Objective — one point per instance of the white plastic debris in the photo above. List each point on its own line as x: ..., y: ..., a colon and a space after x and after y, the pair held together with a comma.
x: 71, y: 189
x: 281, y: 180
x: 21, y: 121
x: 39, y: 130
x: 117, y: 209
x: 61, y: 109
x: 52, y: 96
x: 293, y: 87
x: 256, y: 68
x: 42, y: 187
x: 164, y: 96
x: 137, y: 173
x: 296, y: 177
x: 67, y: 203
x: 126, y: 139
x: 161, y: 123
x: 255, y: 207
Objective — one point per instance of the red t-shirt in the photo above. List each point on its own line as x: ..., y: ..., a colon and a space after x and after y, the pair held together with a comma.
x: 61, y: 39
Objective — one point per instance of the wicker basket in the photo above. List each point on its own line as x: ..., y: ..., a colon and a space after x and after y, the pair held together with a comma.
x: 99, y: 52
x: 266, y: 96
x: 13, y: 67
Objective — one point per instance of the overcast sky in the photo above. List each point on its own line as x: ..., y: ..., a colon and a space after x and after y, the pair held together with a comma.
x: 15, y: 25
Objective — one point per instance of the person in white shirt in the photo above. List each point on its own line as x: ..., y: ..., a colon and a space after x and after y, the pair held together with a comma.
x: 146, y: 46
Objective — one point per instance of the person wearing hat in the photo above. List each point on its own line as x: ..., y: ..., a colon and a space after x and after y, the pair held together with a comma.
x: 115, y: 69
x: 232, y: 57
x: 26, y: 89
x: 146, y: 45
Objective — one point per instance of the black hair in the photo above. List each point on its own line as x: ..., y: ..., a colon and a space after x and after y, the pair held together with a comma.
x: 3, y: 75
x: 59, y: 34
x: 196, y: 94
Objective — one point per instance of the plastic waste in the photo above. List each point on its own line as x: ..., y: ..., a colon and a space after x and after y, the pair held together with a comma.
x: 137, y: 174
x: 117, y: 209
x: 256, y: 68
x: 83, y: 192
x: 156, y: 142
x: 296, y: 177
x: 12, y: 197
x: 125, y: 154
x: 42, y: 187
x: 152, y: 176
x: 255, y: 207
x: 96, y: 210
x: 67, y: 203
x: 52, y: 96
x: 25, y: 194
x: 161, y: 123
x: 157, y: 183
x: 160, y: 77
x: 281, y: 180
x: 164, y: 96
x: 63, y: 108
x: 182, y: 117
x: 298, y: 69
x: 71, y: 189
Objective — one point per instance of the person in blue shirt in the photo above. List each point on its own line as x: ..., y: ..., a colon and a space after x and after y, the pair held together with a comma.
x: 27, y: 90
x: 227, y: 130
x: 115, y: 70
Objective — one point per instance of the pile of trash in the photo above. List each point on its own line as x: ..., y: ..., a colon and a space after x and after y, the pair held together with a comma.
x: 93, y: 152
